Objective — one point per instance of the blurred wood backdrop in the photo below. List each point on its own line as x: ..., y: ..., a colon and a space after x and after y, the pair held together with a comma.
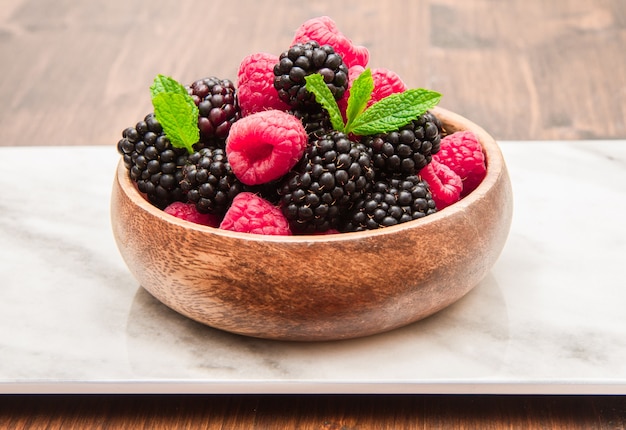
x: 77, y: 73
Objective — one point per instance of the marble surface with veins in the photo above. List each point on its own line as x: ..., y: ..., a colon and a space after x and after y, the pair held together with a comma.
x: 549, y: 318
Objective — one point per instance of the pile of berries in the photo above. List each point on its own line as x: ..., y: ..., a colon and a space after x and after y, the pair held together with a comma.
x: 270, y: 158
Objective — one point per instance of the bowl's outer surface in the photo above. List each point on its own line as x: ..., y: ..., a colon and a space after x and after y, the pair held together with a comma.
x: 317, y: 287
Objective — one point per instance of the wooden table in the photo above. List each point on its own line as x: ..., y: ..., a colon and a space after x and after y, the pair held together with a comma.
x: 78, y: 73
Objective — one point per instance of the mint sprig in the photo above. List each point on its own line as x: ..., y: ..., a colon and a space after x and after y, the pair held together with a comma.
x: 360, y: 94
x: 176, y: 112
x: 165, y: 84
x: 395, y: 111
x: 385, y: 115
x: 315, y: 84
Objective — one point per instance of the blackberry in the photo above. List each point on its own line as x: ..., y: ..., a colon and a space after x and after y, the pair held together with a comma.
x: 209, y: 181
x: 218, y: 108
x: 332, y: 174
x: 407, y: 150
x: 301, y: 60
x: 153, y: 163
x: 391, y: 202
x: 316, y: 121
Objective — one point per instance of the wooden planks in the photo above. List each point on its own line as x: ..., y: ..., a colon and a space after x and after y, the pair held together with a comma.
x: 77, y: 73
x: 334, y: 412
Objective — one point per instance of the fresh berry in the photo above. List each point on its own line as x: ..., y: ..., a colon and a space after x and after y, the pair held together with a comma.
x: 386, y: 83
x: 391, y: 202
x: 333, y: 173
x: 407, y: 150
x: 255, y: 84
x: 250, y: 213
x: 209, y: 181
x: 218, y: 107
x: 316, y: 121
x: 189, y: 212
x: 462, y: 152
x: 301, y: 60
x: 264, y: 146
x: 153, y: 163
x: 325, y: 31
x: 445, y: 184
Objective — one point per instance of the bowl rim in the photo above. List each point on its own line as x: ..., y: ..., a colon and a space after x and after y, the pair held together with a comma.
x: 495, y: 167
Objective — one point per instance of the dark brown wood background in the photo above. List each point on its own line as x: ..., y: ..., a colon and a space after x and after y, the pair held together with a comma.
x: 77, y: 73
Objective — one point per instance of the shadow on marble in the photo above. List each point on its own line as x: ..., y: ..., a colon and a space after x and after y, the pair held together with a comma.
x: 447, y: 344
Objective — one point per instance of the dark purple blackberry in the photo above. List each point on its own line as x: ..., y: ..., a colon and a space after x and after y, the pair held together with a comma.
x: 316, y: 121
x: 218, y: 108
x: 209, y: 181
x: 407, y: 150
x: 391, y: 202
x: 332, y: 174
x: 153, y: 163
x: 301, y: 60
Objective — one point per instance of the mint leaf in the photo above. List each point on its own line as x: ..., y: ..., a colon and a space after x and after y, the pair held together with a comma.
x: 394, y: 111
x: 176, y: 112
x: 165, y: 84
x: 178, y: 118
x: 316, y: 85
x: 360, y: 94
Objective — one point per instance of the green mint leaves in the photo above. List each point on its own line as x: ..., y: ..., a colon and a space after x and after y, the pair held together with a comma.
x: 316, y: 85
x: 395, y: 111
x: 176, y: 112
x: 386, y: 115
x: 360, y: 94
x: 165, y: 84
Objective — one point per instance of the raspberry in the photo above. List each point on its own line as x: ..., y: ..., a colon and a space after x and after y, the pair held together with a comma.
x: 445, y: 184
x: 386, y: 83
x: 324, y: 31
x: 188, y: 212
x: 250, y: 213
x: 255, y: 84
x: 461, y: 151
x: 264, y: 146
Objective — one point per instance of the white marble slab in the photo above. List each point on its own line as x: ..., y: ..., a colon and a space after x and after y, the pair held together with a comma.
x: 549, y: 319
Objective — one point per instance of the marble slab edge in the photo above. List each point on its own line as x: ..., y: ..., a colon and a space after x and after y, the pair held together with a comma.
x: 300, y: 387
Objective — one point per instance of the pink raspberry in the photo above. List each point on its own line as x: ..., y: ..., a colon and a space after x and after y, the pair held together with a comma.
x: 255, y: 84
x: 188, y: 212
x: 461, y: 151
x: 445, y: 185
x: 265, y: 145
x: 250, y: 213
x: 386, y: 83
x: 325, y: 31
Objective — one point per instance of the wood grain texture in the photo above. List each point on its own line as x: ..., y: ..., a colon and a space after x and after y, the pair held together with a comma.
x: 332, y: 412
x: 76, y: 73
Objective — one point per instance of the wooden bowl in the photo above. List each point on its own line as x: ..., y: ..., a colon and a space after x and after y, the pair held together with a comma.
x: 324, y: 287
